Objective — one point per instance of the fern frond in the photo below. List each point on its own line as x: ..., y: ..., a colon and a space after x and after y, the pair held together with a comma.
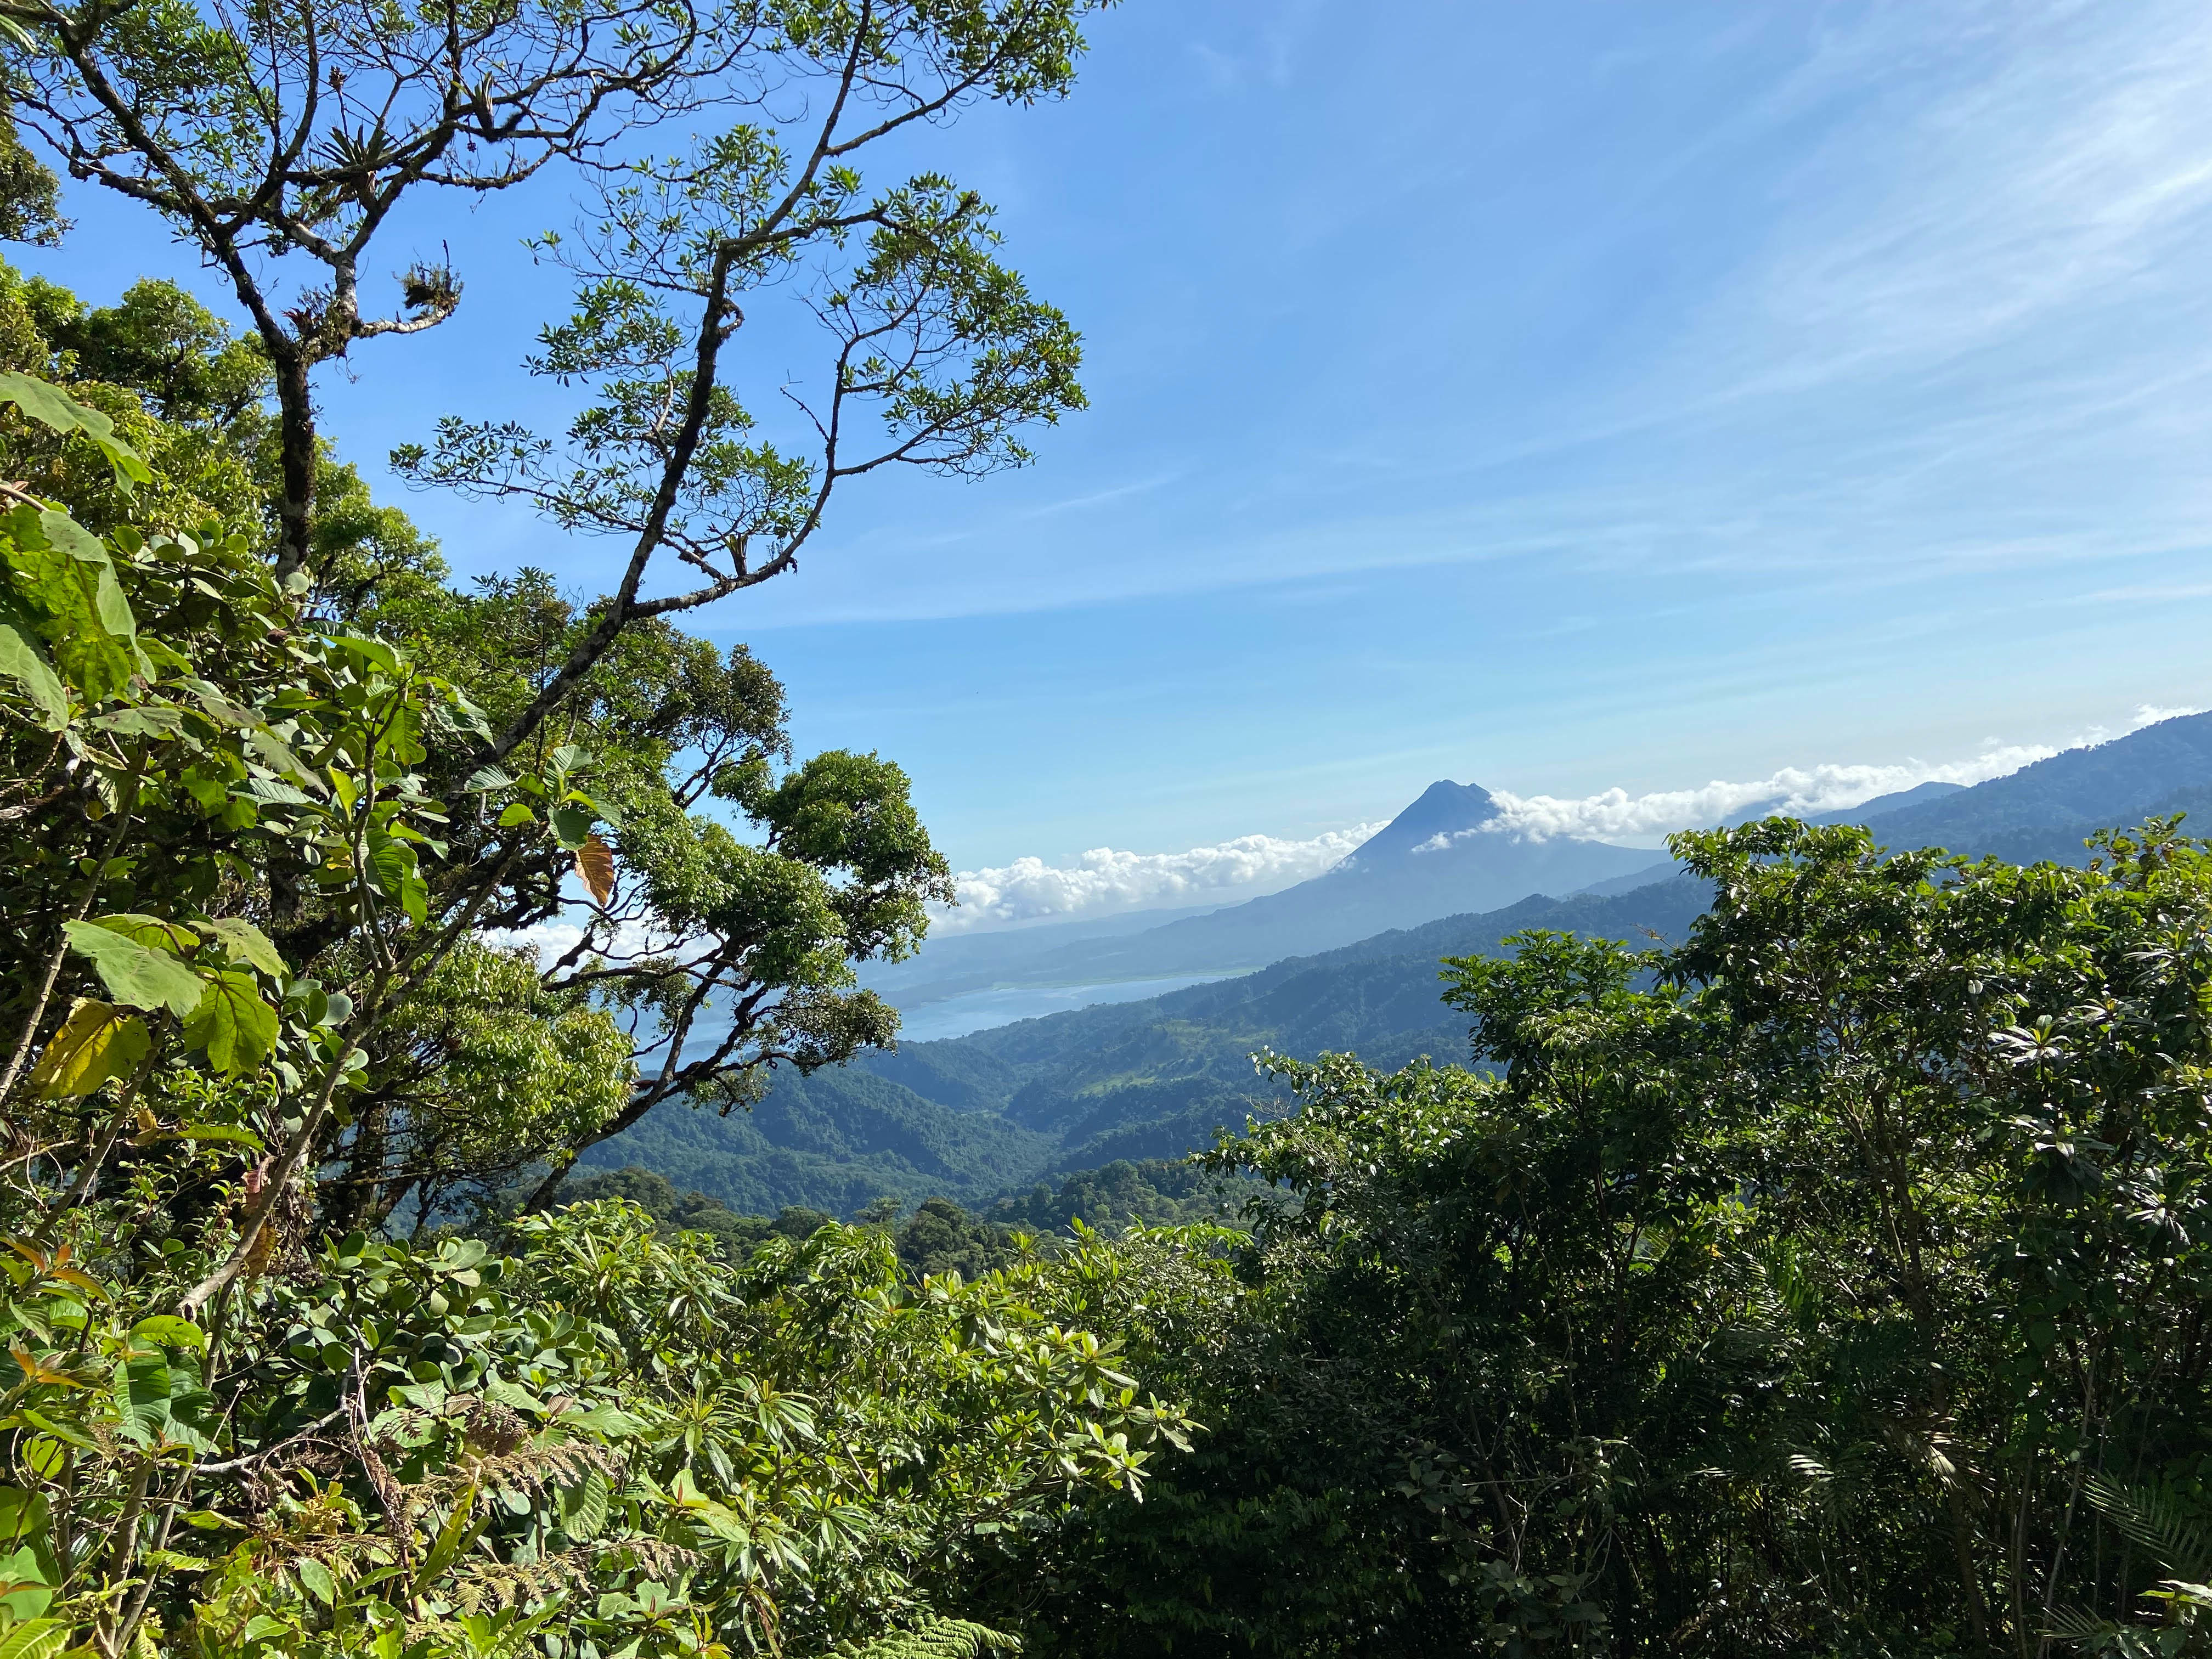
x: 940, y: 1638
x: 2158, y: 1521
x: 2077, y: 1624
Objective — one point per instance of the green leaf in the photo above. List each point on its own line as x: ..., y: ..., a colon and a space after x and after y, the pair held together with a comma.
x: 571, y: 826
x: 459, y: 1254
x: 22, y: 1516
x: 375, y: 653
x: 518, y: 813
x: 142, y: 1390
x: 169, y: 1332
x: 26, y: 1556
x: 218, y: 1132
x: 316, y: 1578
x: 51, y: 407
x: 232, y: 1022
x: 485, y: 779
x: 65, y: 535
x: 396, y: 868
x: 134, y: 975
x: 141, y: 722
x: 609, y: 1421
x: 171, y: 937
x: 608, y: 814
x: 23, y: 661
x: 249, y: 945
x: 35, y: 1638
x: 586, y: 1508
x: 97, y: 1041
x: 66, y: 595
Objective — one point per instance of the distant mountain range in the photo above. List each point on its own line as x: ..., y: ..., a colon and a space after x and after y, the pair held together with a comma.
x: 1441, y: 856
x: 2047, y: 811
x: 996, y: 1112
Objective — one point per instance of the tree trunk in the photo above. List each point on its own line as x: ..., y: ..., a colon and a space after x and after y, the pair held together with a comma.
x: 295, y: 511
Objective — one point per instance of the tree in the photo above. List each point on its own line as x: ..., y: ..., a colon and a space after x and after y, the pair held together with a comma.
x: 280, y: 142
x: 240, y: 1430
x: 1834, y: 1283
x: 274, y: 787
x: 283, y: 138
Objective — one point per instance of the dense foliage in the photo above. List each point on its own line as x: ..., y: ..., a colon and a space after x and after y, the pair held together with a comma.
x: 1833, y: 1283
x: 244, y: 1423
x: 279, y: 798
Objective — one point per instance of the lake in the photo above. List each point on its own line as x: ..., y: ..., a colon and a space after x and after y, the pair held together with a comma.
x: 978, y: 1011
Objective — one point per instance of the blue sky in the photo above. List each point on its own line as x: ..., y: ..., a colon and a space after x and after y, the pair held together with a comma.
x: 1561, y: 399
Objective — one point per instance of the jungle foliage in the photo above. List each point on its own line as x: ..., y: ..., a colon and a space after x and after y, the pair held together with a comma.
x: 1835, y: 1283
x: 279, y: 796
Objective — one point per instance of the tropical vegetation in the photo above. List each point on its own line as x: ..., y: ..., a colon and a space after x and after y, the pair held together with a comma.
x: 1830, y: 1280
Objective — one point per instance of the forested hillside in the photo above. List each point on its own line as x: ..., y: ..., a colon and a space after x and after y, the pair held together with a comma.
x: 1828, y: 1278
x: 970, y: 1117
x: 974, y: 1116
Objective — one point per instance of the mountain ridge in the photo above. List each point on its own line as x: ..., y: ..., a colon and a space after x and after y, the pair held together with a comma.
x: 996, y: 1112
x: 1437, y: 857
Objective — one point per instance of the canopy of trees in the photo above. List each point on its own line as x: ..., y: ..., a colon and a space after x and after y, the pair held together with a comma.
x: 1835, y: 1282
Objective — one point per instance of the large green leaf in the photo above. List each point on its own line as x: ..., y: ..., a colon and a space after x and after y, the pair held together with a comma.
x: 65, y: 535
x: 97, y: 1041
x: 135, y: 976
x: 374, y: 652
x: 63, y: 580
x: 396, y: 868
x: 155, y: 932
x: 51, y: 407
x: 232, y: 1022
x: 169, y: 1331
x: 26, y: 1556
x: 23, y: 661
x: 249, y: 945
x: 162, y: 1403
x: 35, y: 1638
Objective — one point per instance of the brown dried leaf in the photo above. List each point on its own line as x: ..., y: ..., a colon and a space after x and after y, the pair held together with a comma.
x: 595, y: 863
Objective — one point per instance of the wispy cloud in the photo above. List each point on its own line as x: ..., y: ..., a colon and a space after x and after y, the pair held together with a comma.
x: 1616, y: 815
x: 1951, y: 313
x: 2030, y: 161
x: 1105, y: 880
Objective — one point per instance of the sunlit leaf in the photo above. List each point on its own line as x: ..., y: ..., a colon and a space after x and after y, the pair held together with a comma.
x: 97, y: 1041
x: 249, y: 945
x: 169, y: 1331
x: 51, y: 407
x: 232, y: 1022
x: 23, y: 661
x: 135, y: 976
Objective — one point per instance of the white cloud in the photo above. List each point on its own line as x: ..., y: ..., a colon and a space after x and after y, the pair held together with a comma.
x: 1105, y: 880
x: 1616, y: 815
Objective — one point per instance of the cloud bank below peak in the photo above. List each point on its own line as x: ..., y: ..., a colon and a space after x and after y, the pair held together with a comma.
x: 1616, y: 815
x: 1104, y: 880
